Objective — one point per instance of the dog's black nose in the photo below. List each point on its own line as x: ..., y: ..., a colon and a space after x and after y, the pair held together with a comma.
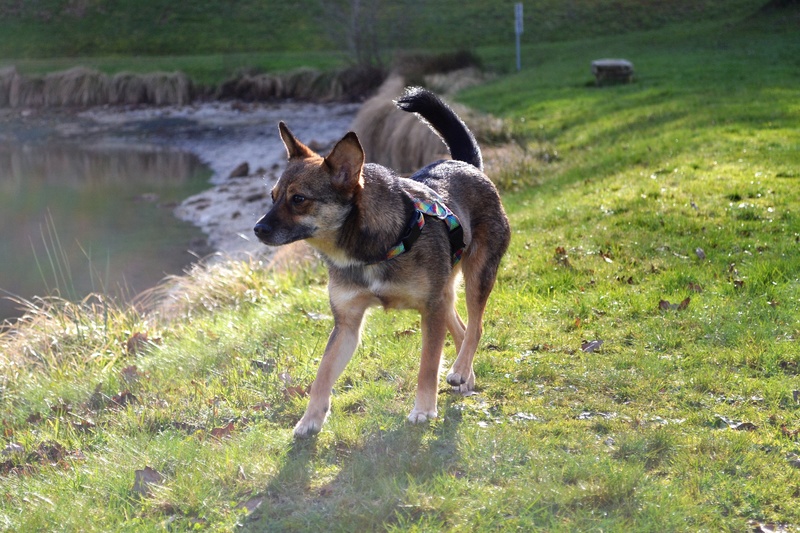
x: 262, y: 229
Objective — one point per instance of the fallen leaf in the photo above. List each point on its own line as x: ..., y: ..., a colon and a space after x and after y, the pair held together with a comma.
x: 591, y: 346
x: 130, y: 373
x: 664, y: 305
x: 50, y: 451
x: 263, y: 406
x: 252, y: 504
x: 738, y: 283
x: 136, y: 343
x: 562, y: 258
x: 295, y: 392
x: 145, y: 479
x: 695, y: 287
x: 124, y: 398
x: 223, y: 432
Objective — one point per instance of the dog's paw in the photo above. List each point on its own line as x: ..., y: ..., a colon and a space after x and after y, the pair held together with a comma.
x: 461, y: 383
x: 419, y: 416
x: 307, y: 428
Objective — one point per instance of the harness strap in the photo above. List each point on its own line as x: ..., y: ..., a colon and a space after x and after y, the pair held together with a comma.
x: 434, y: 208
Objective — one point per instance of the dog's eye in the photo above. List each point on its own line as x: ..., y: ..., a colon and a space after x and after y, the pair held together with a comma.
x: 298, y: 199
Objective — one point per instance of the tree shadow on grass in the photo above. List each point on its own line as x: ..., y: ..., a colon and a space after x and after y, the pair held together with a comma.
x: 379, y: 482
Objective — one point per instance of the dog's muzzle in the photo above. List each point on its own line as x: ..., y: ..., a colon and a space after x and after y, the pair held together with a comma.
x: 263, y: 231
x: 271, y: 232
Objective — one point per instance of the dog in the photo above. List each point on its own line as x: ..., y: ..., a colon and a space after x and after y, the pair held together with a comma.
x: 398, y: 242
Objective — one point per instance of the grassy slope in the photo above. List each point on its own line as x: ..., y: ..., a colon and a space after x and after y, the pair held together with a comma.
x: 702, y: 152
x: 212, y: 39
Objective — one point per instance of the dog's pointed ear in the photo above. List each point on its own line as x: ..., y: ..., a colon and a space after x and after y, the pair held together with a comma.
x: 294, y: 148
x: 346, y: 162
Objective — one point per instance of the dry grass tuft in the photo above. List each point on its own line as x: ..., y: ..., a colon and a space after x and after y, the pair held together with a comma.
x: 349, y: 84
x: 78, y: 86
x: 53, y: 330
x: 83, y: 87
x: 9, y: 80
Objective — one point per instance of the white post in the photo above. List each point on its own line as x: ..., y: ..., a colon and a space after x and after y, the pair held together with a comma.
x: 518, y: 31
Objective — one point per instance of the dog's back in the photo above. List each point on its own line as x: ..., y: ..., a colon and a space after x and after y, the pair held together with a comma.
x: 466, y: 190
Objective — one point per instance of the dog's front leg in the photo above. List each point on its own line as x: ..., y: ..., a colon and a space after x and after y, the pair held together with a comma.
x: 342, y: 344
x: 434, y: 329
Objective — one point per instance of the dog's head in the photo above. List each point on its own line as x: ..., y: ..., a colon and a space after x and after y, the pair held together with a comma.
x: 314, y: 194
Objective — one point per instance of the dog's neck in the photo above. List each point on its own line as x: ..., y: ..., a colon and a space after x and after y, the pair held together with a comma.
x: 380, y: 215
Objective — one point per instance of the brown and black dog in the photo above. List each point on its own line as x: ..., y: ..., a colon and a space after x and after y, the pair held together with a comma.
x: 396, y: 242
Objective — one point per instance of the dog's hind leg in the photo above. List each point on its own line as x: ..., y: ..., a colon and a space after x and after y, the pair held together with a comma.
x: 342, y: 343
x: 480, y: 272
x: 456, y: 328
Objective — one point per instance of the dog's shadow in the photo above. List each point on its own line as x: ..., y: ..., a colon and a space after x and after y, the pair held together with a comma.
x: 370, y: 481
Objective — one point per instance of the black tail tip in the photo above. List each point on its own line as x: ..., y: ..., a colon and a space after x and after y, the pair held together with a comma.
x: 416, y: 98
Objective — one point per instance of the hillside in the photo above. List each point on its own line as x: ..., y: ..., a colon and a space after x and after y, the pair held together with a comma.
x: 71, y: 28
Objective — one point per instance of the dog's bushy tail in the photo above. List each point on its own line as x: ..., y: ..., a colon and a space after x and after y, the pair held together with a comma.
x: 444, y: 121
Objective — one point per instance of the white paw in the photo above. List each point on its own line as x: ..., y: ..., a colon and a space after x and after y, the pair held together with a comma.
x: 307, y: 427
x: 461, y: 384
x: 419, y: 416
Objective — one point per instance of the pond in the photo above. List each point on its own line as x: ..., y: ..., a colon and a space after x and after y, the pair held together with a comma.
x: 78, y: 219
x: 88, y: 198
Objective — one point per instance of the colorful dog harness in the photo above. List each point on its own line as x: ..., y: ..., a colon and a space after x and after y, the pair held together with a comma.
x: 434, y: 208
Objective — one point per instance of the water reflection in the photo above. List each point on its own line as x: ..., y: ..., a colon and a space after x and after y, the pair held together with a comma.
x: 77, y: 219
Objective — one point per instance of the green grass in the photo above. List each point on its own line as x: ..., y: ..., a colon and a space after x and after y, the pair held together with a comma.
x: 642, y: 434
x: 56, y: 28
x: 211, y: 40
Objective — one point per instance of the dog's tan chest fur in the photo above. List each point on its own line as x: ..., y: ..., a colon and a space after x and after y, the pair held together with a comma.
x: 388, y: 294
